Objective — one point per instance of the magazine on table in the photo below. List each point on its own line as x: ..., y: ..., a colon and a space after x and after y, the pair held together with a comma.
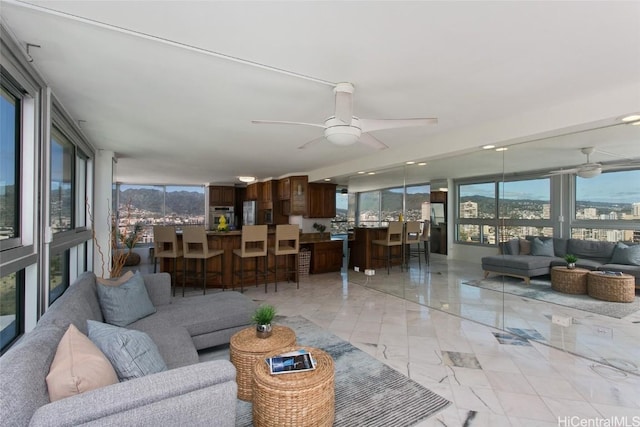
x: 294, y: 361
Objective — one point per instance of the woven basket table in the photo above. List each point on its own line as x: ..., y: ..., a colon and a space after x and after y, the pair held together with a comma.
x: 569, y: 281
x: 245, y: 349
x: 611, y: 288
x: 295, y: 399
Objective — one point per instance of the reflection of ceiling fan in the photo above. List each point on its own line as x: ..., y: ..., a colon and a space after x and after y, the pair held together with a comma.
x: 589, y: 170
x: 345, y: 129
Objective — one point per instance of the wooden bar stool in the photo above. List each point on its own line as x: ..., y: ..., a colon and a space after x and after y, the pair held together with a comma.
x: 425, y: 238
x: 196, y: 246
x: 253, y: 245
x: 412, y: 237
x: 394, y: 238
x: 287, y: 243
x: 165, y: 245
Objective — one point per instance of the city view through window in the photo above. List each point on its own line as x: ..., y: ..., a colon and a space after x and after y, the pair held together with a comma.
x: 610, y: 199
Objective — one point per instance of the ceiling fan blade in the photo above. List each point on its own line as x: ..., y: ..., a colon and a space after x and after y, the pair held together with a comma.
x: 344, y: 102
x: 277, y: 122
x: 311, y: 143
x: 370, y: 125
x: 371, y: 141
x: 563, y: 171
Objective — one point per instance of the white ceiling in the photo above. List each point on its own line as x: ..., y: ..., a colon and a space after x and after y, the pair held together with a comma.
x: 141, y: 79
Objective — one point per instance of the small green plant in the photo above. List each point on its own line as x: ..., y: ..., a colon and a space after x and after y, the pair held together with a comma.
x: 319, y: 227
x: 571, y: 259
x: 264, y: 314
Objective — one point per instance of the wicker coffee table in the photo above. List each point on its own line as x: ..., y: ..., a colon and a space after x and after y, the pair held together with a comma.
x: 295, y: 399
x: 612, y: 288
x: 245, y: 349
x: 569, y: 281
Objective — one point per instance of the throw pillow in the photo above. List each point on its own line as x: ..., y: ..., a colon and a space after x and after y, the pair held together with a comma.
x: 525, y: 247
x: 626, y: 255
x: 542, y: 247
x: 132, y: 353
x: 78, y: 366
x: 117, y: 281
x: 124, y: 304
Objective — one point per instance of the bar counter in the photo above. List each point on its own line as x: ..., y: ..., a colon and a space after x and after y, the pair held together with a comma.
x: 362, y: 250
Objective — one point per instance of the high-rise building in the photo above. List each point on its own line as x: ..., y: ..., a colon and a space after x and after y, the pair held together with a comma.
x: 468, y: 210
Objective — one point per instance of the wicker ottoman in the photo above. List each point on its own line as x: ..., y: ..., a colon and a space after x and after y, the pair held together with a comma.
x: 611, y: 288
x: 245, y: 349
x: 569, y: 281
x: 295, y: 399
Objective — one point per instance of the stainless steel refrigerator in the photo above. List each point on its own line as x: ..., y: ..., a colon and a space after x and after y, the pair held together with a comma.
x: 249, y: 212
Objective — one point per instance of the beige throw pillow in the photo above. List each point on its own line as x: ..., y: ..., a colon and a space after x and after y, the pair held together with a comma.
x: 78, y: 366
x: 117, y: 281
x: 525, y: 247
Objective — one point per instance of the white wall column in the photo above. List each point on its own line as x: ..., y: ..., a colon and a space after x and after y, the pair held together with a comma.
x: 101, y: 210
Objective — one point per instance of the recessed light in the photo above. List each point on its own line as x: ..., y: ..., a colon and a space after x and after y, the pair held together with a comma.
x: 631, y: 118
x: 371, y: 173
x: 410, y: 162
x: 488, y: 147
x: 422, y: 164
x: 361, y: 172
x: 501, y: 149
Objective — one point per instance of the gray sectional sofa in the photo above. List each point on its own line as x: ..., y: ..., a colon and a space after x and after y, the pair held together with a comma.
x: 188, y: 393
x: 519, y: 259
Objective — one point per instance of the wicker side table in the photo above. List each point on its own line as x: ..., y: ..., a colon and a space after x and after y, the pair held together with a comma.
x: 295, y: 399
x: 612, y: 288
x: 245, y: 349
x: 569, y: 281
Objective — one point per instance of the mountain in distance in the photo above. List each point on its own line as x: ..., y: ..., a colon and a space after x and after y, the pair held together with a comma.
x: 151, y: 200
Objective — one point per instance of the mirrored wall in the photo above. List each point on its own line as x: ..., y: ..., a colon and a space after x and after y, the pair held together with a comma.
x: 531, y: 189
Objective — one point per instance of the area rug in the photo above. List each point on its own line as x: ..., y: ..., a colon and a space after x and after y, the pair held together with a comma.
x: 541, y: 290
x: 367, y: 392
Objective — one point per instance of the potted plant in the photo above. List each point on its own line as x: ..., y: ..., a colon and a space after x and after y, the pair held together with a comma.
x: 262, y: 317
x: 571, y: 261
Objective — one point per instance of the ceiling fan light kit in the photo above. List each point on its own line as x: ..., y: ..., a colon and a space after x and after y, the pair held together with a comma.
x: 343, y: 128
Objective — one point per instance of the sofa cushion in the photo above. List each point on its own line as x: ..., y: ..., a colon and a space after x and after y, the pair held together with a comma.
x: 132, y: 353
x: 126, y: 303
x: 626, y: 255
x: 78, y: 366
x: 525, y: 247
x: 511, y: 247
x: 518, y: 262
x: 542, y: 247
x: 591, y: 249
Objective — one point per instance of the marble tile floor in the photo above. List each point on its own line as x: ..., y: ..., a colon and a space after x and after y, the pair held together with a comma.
x: 491, y: 377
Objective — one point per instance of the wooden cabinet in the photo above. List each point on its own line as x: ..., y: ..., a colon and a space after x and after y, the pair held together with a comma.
x: 296, y: 191
x: 326, y: 256
x: 222, y: 195
x: 266, y: 191
x: 252, y: 191
x: 321, y: 200
x: 284, y: 189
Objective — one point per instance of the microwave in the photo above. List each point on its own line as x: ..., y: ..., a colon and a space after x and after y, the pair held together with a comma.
x: 215, y: 212
x: 267, y: 216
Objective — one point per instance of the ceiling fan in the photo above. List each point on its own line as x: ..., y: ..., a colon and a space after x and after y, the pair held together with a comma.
x: 589, y: 169
x: 343, y: 128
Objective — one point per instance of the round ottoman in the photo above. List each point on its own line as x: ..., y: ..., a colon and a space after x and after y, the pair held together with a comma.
x: 295, y: 399
x: 245, y: 349
x: 569, y: 280
x: 608, y: 287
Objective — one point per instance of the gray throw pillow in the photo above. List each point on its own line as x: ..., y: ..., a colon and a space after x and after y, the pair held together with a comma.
x: 132, y: 353
x: 626, y: 255
x: 542, y: 247
x: 124, y: 304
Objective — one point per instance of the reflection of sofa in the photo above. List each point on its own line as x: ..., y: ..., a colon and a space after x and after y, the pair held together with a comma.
x: 188, y: 393
x: 534, y: 256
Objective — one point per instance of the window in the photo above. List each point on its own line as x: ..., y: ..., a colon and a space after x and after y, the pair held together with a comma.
x: 391, y: 204
x: 417, y: 207
x: 59, y: 277
x: 477, y: 200
x: 369, y: 209
x: 149, y: 205
x: 607, y: 207
x: 11, y: 308
x: 344, y: 219
x: 62, y: 196
x: 9, y: 167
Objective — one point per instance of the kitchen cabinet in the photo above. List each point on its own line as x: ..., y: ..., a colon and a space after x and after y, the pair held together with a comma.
x: 252, y: 191
x: 321, y: 200
x: 326, y: 256
x: 284, y: 189
x: 222, y: 195
x: 266, y: 191
x: 296, y: 204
